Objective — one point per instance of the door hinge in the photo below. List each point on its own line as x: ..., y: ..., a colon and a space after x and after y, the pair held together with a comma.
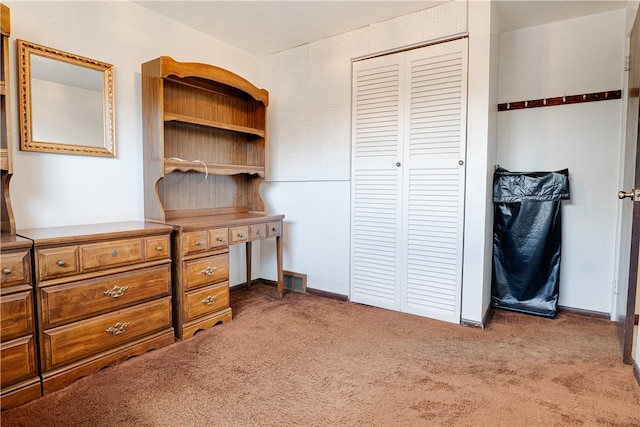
x: 627, y: 62
x: 615, y: 287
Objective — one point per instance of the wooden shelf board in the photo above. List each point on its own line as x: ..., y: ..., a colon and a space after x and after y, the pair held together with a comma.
x: 211, y: 168
x: 4, y: 159
x: 172, y: 117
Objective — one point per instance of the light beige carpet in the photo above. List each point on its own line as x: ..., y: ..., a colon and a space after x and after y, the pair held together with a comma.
x: 312, y: 361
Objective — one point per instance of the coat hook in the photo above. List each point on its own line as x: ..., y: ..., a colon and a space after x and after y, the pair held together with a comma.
x: 544, y: 101
x: 508, y: 105
x: 584, y: 97
x: 526, y: 103
x: 564, y: 98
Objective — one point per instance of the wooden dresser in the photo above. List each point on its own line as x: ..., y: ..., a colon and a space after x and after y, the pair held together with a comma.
x: 201, y: 271
x: 19, y: 362
x: 103, y: 294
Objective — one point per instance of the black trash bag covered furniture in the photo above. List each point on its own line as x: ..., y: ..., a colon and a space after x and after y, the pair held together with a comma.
x: 527, y: 240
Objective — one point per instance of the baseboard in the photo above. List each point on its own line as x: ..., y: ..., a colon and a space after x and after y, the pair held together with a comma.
x: 474, y: 324
x: 310, y: 291
x: 585, y: 313
x: 325, y: 294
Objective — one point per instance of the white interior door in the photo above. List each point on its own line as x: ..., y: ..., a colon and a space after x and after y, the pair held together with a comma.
x: 377, y: 135
x: 409, y: 143
x: 434, y: 180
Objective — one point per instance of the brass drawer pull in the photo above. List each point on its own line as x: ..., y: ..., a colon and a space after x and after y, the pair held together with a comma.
x: 6, y: 271
x: 61, y: 263
x: 209, y: 300
x: 208, y: 271
x: 240, y: 236
x: 117, y: 329
x: 114, y: 252
x: 116, y: 292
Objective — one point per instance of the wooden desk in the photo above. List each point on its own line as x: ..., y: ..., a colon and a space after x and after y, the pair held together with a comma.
x: 201, y: 263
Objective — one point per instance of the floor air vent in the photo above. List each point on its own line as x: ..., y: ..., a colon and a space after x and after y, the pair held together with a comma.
x: 295, y: 282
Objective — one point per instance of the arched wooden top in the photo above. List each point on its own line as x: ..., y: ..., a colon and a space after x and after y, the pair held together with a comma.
x: 171, y: 67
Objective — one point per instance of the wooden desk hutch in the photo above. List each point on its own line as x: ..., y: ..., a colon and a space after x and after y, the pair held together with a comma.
x: 204, y: 131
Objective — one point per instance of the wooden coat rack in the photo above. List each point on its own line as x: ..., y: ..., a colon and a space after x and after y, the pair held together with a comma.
x: 561, y: 100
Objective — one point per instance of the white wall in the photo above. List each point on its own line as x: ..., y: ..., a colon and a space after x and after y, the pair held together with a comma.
x: 56, y: 189
x: 576, y: 56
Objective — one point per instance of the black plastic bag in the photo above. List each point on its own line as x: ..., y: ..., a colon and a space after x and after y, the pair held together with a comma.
x: 527, y: 240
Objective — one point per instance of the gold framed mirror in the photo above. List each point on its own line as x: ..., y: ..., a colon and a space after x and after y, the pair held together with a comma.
x: 65, y: 102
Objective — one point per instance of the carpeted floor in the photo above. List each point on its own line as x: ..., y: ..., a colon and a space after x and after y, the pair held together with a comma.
x: 312, y: 361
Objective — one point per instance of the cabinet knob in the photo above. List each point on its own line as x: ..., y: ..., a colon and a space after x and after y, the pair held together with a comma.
x: 114, y: 252
x: 197, y: 242
x: 61, y: 263
x: 159, y: 249
x: 209, y: 300
x: 6, y: 271
x: 240, y: 235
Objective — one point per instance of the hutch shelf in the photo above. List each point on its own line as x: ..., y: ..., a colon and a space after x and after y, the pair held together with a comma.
x: 204, y: 131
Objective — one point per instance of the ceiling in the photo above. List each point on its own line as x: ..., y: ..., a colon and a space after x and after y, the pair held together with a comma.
x: 265, y: 27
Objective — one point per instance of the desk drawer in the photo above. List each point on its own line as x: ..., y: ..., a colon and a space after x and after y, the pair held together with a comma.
x: 78, y: 300
x: 274, y: 229
x: 218, y: 238
x: 78, y: 340
x: 18, y: 361
x: 16, y: 315
x: 14, y: 268
x: 206, y: 271
x: 238, y: 234
x: 194, y: 242
x: 257, y: 231
x: 103, y: 255
x: 206, y: 300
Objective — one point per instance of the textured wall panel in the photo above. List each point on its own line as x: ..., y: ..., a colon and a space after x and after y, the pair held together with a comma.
x: 309, y: 117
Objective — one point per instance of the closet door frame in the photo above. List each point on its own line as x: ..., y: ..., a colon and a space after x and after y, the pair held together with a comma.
x: 381, y: 258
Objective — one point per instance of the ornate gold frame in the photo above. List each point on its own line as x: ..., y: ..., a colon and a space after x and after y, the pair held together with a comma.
x: 24, y: 50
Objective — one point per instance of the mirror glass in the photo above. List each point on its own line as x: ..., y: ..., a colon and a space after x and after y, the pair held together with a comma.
x: 66, y: 102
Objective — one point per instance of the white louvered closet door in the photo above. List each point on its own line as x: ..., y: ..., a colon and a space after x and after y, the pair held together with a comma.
x: 408, y: 180
x: 376, y: 235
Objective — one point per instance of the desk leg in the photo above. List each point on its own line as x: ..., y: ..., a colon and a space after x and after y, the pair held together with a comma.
x: 279, y: 266
x: 248, y: 249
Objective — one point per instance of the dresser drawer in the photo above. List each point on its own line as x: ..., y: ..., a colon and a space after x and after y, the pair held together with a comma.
x: 14, y: 268
x: 274, y: 229
x: 238, y: 234
x: 218, y: 238
x: 194, y: 242
x: 78, y: 340
x: 103, y: 255
x: 257, y: 231
x: 206, y: 271
x: 18, y: 361
x: 156, y: 248
x: 16, y: 315
x: 206, y: 300
x: 78, y: 300
x: 57, y: 262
